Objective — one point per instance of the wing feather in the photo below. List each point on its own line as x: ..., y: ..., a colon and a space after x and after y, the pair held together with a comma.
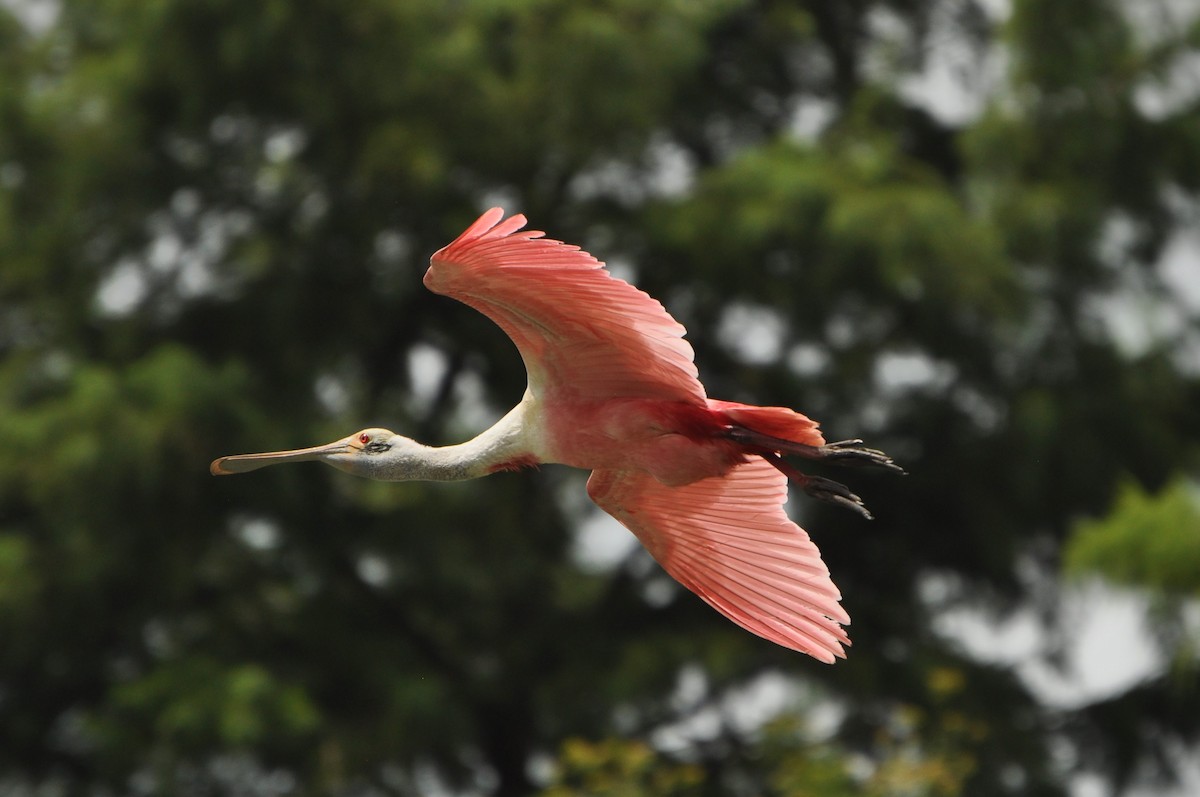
x: 728, y: 539
x: 581, y: 332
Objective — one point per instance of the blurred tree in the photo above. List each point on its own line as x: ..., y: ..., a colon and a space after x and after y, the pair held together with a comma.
x: 1150, y: 543
x: 214, y: 216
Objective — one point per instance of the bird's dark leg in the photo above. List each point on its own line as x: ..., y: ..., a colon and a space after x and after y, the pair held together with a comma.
x: 818, y: 487
x: 853, y: 452
x: 843, y: 452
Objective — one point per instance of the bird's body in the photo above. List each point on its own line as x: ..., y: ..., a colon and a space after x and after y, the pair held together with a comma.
x: 613, y: 389
x: 676, y: 442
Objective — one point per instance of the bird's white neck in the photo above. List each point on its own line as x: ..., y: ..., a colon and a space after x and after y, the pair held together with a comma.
x: 497, y: 447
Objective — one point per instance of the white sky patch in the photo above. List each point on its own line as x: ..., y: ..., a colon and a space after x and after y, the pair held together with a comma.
x: 332, y: 394
x: 504, y: 198
x: 226, y: 128
x: 987, y: 412
x: 614, y: 179
x: 284, y: 144
x: 839, y: 331
x: 392, y: 246
x: 426, y: 368
x: 122, y: 290
x: 659, y: 589
x: 672, y: 170
x: 752, y: 333
x: 1180, y: 267
x: 36, y: 15
x: 903, y: 371
x: 808, y: 359
x: 12, y: 175
x: 256, y: 533
x: 623, y: 269
x: 164, y: 252
x: 810, y: 118
x: 474, y: 412
x: 601, y: 543
x: 373, y: 569
x: 1109, y: 647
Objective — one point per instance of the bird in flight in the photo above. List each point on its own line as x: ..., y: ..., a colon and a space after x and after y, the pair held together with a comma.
x: 613, y: 389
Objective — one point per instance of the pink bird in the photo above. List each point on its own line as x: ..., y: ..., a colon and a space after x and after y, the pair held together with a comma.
x: 613, y: 389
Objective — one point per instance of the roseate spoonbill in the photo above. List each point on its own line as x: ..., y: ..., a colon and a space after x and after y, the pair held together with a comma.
x: 613, y: 389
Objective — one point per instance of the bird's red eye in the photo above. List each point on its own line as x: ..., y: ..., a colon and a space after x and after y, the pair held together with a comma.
x: 364, y: 438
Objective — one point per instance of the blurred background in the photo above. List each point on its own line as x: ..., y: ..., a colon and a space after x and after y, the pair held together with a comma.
x: 966, y: 231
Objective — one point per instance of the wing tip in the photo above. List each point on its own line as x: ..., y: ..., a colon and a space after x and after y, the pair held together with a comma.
x: 490, y: 226
x: 827, y: 645
x: 486, y: 221
x: 826, y: 655
x: 486, y: 226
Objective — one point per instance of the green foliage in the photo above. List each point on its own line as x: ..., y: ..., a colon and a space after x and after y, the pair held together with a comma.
x: 195, y: 704
x: 617, y: 768
x: 860, y: 209
x: 1148, y: 541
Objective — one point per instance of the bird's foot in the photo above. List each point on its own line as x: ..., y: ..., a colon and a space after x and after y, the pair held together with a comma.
x: 853, y: 452
x: 832, y: 492
x: 843, y: 452
x: 819, y: 487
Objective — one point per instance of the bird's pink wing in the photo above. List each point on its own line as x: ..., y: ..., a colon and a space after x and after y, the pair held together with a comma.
x: 728, y: 539
x: 581, y: 332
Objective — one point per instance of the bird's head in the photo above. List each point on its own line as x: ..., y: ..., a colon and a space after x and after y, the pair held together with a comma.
x: 355, y: 454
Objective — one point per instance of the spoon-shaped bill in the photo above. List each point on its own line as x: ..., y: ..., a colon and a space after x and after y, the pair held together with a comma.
x: 243, y: 463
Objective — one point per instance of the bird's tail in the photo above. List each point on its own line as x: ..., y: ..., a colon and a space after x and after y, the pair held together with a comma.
x: 777, y: 432
x: 770, y: 427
